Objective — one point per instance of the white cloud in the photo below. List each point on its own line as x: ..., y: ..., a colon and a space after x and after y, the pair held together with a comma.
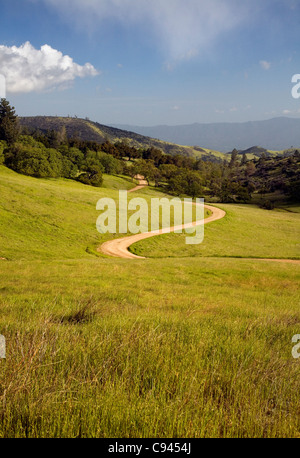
x: 181, y: 28
x: 265, y: 65
x: 27, y: 69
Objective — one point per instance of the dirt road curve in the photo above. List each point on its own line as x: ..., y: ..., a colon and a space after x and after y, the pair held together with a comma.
x: 136, y: 188
x: 119, y: 247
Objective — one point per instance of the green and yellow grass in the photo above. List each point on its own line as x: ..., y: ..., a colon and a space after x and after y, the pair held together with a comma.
x: 56, y: 218
x: 246, y: 231
x: 103, y: 347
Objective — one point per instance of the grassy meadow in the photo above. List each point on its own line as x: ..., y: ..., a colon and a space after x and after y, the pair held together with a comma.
x: 56, y: 218
x: 246, y: 231
x: 192, y: 342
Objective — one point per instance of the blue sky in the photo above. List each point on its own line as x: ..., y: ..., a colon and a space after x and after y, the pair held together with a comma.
x: 149, y: 62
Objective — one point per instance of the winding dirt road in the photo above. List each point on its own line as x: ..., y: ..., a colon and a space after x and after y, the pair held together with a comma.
x: 119, y: 247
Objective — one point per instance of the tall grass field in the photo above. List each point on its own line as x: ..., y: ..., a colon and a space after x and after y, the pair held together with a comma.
x: 193, y: 341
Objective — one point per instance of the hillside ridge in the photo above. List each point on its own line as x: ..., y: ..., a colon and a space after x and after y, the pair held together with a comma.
x: 88, y: 130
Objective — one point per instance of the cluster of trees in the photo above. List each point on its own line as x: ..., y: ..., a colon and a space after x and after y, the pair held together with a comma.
x: 234, y: 180
x: 31, y: 157
x: 52, y: 154
x: 279, y: 174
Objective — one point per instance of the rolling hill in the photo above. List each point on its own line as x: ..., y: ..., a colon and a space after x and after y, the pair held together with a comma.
x: 87, y: 130
x: 195, y: 341
x: 185, y: 138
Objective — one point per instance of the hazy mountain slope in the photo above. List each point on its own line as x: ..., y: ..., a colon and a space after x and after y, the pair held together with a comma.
x: 93, y: 131
x: 273, y: 134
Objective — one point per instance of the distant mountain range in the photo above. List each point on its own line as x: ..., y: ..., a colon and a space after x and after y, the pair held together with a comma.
x: 273, y: 134
x: 283, y: 133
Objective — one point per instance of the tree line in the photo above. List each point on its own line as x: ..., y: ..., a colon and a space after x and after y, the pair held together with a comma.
x: 52, y: 154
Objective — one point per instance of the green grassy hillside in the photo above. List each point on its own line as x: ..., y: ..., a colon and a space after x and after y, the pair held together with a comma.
x: 51, y: 218
x: 246, y: 232
x: 107, y: 347
x: 55, y: 218
x: 257, y: 151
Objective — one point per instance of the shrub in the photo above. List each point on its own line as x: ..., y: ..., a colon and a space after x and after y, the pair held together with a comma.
x: 92, y: 176
x: 267, y: 205
x: 3, y: 145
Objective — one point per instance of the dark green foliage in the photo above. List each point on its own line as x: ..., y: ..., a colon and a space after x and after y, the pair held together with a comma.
x: 128, y: 144
x: 234, y: 158
x: 244, y: 159
x: 154, y: 154
x: 111, y: 165
x: 147, y: 169
x: 69, y: 169
x: 125, y: 150
x: 92, y: 176
x: 167, y: 170
x: 267, y: 205
x: 3, y: 145
x: 228, y: 182
x: 279, y: 174
x: 186, y: 182
x: 34, y: 160
x: 30, y: 157
x: 9, y: 129
x: 50, y: 152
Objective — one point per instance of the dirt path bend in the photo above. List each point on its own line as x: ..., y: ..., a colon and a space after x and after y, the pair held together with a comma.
x: 119, y: 247
x: 137, y: 188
